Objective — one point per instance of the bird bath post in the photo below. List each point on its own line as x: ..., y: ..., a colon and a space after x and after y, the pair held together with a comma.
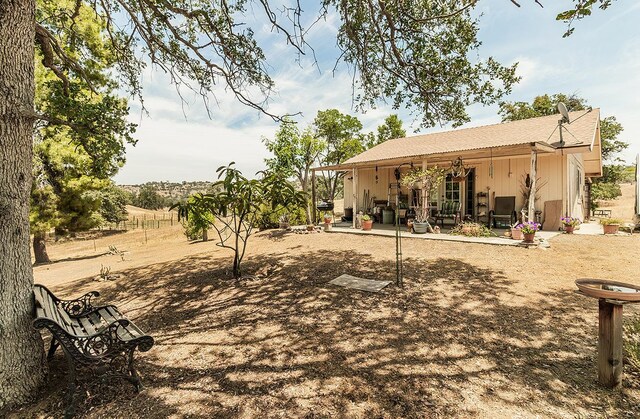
x: 611, y: 297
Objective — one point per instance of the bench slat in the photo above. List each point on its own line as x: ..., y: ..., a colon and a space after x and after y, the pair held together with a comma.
x: 89, y: 328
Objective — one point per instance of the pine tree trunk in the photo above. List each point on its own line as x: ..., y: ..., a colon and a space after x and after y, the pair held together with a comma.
x: 22, y: 361
x: 40, y: 248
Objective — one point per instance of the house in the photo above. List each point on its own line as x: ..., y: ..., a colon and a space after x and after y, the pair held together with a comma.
x: 499, y: 159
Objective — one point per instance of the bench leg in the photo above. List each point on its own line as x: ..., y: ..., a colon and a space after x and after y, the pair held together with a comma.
x: 70, y: 410
x: 134, y: 378
x: 52, y: 348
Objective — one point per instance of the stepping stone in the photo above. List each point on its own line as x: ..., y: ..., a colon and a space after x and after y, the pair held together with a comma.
x: 362, y: 284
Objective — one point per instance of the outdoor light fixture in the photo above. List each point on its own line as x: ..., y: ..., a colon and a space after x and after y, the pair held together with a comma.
x: 458, y: 171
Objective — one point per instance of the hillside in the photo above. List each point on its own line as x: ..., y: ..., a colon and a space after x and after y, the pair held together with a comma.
x: 173, y: 190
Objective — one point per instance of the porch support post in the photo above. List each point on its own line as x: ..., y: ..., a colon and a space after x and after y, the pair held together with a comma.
x: 313, y: 197
x: 531, y: 210
x: 354, y: 188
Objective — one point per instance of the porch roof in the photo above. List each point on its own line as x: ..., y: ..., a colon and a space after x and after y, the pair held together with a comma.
x: 507, y: 138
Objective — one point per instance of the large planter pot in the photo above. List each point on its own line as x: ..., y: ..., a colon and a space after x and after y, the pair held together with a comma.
x: 516, y: 234
x: 367, y: 224
x: 611, y: 228
x: 419, y: 228
x: 387, y: 216
x: 569, y: 229
x: 528, y: 237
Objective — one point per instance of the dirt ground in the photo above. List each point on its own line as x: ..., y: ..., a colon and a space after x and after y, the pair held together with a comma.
x: 476, y: 331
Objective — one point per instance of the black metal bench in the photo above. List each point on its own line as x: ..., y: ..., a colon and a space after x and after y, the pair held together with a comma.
x: 96, y: 338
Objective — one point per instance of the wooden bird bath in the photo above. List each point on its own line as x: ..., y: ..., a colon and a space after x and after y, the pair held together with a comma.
x: 611, y: 295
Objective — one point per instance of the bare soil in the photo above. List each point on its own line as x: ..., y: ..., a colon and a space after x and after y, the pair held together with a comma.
x: 476, y: 331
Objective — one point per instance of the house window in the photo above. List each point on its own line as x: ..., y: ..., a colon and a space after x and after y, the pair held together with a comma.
x: 451, y: 190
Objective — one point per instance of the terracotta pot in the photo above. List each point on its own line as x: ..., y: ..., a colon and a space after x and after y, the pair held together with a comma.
x: 569, y: 229
x: 516, y: 234
x: 367, y: 224
x: 528, y: 237
x: 327, y: 220
x: 611, y: 228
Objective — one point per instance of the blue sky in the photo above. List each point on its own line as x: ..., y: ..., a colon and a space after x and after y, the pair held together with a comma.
x: 600, y: 62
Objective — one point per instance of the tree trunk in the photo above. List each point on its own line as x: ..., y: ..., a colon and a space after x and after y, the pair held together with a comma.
x: 205, y: 234
x: 22, y: 361
x: 40, y: 248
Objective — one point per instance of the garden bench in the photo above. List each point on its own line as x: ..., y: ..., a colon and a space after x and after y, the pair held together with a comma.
x: 602, y: 213
x: 96, y: 338
x: 449, y: 209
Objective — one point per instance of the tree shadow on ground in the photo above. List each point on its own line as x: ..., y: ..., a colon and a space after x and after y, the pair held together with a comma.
x: 288, y: 343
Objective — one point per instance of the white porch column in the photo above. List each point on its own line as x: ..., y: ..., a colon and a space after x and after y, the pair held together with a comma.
x: 531, y: 210
x: 354, y: 190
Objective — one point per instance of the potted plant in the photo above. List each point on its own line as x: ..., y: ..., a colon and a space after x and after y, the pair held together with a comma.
x: 429, y: 178
x: 327, y: 218
x: 570, y: 223
x: 529, y: 229
x: 610, y: 225
x: 367, y: 222
x: 516, y: 233
x: 284, y: 221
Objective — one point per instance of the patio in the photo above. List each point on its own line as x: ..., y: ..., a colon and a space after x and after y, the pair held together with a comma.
x: 388, y: 230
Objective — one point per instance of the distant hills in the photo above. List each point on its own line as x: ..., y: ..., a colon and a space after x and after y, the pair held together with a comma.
x: 175, y: 191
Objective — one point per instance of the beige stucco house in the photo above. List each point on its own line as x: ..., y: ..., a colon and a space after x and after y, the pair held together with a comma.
x: 564, y: 157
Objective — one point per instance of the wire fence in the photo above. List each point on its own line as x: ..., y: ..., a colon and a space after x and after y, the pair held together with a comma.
x: 144, y: 223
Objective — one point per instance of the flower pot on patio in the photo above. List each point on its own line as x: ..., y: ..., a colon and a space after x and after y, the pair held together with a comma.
x: 367, y: 224
x: 611, y: 228
x: 569, y: 229
x: 420, y: 228
x: 516, y: 234
x: 528, y: 237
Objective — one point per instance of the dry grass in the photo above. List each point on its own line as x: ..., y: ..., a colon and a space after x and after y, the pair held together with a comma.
x: 477, y: 330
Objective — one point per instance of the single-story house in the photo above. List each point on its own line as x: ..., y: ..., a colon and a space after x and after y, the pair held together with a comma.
x: 498, y: 159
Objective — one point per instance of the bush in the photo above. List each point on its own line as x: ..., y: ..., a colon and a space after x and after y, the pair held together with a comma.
x: 611, y: 221
x: 632, y: 343
x: 471, y: 230
x: 604, y: 192
x: 270, y: 218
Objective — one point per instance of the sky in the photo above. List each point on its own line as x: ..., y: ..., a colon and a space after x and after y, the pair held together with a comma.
x: 179, y: 141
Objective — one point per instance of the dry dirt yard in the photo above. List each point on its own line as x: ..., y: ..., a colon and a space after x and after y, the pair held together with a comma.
x: 476, y: 331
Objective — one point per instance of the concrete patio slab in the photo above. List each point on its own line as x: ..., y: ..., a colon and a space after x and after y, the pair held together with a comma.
x: 361, y: 284
x: 389, y: 231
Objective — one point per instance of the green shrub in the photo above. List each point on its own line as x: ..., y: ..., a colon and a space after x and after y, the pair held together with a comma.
x: 471, y: 230
x: 632, y: 342
x: 604, y: 192
x: 610, y: 221
x: 270, y: 218
x: 193, y: 226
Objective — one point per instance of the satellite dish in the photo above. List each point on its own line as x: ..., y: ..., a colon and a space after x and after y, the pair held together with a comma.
x: 562, y: 108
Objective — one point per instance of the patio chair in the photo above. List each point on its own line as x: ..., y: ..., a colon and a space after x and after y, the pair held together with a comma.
x: 449, y: 209
x: 504, y: 211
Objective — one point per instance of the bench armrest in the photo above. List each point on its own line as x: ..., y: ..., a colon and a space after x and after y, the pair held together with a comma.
x: 79, y: 306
